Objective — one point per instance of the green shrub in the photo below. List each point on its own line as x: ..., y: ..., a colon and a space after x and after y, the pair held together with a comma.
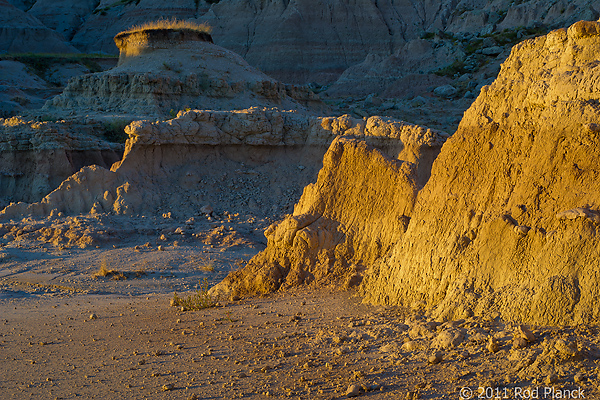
x: 456, y: 68
x: 114, y: 131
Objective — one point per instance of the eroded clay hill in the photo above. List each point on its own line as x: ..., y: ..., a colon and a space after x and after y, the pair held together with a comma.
x: 509, y: 220
x: 36, y: 156
x: 162, y: 71
x: 506, y: 225
x: 358, y: 208
x: 252, y: 162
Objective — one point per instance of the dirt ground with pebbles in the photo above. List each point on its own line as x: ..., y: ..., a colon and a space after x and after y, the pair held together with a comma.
x: 66, y: 333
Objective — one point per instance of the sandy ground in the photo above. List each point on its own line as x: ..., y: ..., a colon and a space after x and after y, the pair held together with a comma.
x: 66, y: 334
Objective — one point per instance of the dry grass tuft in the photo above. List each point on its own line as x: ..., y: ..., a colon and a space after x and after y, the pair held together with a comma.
x: 104, y: 272
x: 173, y: 24
x: 198, y: 301
x: 207, y: 265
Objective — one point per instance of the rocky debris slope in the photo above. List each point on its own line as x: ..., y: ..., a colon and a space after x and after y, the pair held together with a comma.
x: 35, y: 157
x: 174, y: 70
x: 358, y: 208
x: 508, y: 221
x: 23, y: 33
x: 252, y: 162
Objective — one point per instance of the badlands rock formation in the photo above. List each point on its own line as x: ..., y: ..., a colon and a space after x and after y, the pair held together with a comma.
x: 506, y: 225
x: 358, y: 208
x: 23, y: 33
x: 19, y: 88
x: 508, y: 221
x: 254, y: 162
x: 304, y: 41
x: 35, y: 157
x: 161, y: 71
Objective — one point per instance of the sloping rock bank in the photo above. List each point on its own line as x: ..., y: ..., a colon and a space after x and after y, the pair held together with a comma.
x: 506, y: 225
x: 508, y: 221
x: 22, y: 33
x: 254, y: 162
x: 359, y: 207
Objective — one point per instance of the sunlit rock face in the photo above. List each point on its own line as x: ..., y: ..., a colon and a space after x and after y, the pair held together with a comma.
x: 351, y: 216
x: 509, y: 219
x: 506, y: 225
x: 137, y: 42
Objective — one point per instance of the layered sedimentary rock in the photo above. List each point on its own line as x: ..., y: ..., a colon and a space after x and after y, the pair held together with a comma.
x: 509, y: 220
x: 307, y: 41
x: 169, y: 70
x: 63, y: 16
x: 253, y: 162
x: 379, y: 74
x: 359, y: 207
x: 97, y: 30
x: 35, y: 157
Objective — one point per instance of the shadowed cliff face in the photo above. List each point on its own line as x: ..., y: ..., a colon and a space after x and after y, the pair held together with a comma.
x: 35, y: 157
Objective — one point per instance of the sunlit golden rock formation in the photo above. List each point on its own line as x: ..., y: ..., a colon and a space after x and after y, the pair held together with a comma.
x: 508, y: 222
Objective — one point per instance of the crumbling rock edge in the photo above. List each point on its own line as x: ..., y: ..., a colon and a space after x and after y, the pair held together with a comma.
x: 506, y: 225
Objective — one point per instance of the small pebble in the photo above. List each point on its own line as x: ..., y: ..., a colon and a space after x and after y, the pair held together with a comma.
x: 435, y: 358
x: 519, y: 343
x: 353, y: 391
x: 492, y: 345
x: 526, y: 334
x: 551, y: 378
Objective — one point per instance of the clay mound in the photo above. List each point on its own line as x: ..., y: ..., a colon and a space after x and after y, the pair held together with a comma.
x: 376, y: 74
x: 19, y: 89
x: 22, y: 33
x: 62, y: 16
x: 358, y: 208
x: 161, y: 70
x: 508, y: 222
